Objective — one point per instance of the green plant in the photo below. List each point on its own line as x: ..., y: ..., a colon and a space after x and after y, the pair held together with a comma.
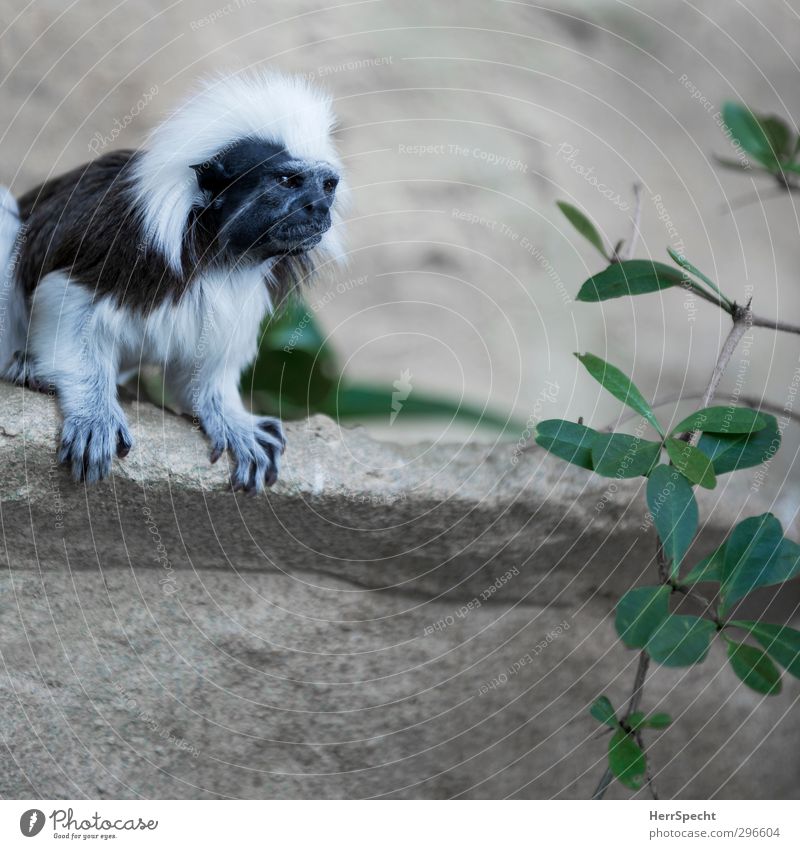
x: 769, y: 142
x: 712, y: 441
x: 297, y: 374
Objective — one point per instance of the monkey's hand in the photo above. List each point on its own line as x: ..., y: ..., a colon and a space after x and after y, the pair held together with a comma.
x: 256, y: 445
x: 89, y: 443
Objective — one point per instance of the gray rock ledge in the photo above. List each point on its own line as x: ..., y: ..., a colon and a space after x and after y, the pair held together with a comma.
x: 397, y: 621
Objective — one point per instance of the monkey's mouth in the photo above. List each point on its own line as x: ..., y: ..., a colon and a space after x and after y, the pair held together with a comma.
x: 295, y: 238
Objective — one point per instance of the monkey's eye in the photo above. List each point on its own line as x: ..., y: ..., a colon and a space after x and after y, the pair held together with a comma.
x: 290, y: 181
x: 330, y: 184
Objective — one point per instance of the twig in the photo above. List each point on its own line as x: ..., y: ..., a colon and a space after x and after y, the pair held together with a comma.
x: 774, y: 324
x: 633, y: 706
x: 648, y: 772
x: 748, y: 400
x: 638, y: 687
x: 661, y: 560
x: 742, y: 322
x: 630, y: 250
x: 708, y: 606
x: 754, y: 197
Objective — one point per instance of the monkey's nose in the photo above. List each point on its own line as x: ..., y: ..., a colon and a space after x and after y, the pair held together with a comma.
x: 319, y: 205
x: 318, y: 202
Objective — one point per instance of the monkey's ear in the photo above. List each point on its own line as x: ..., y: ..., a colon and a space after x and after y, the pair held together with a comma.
x: 211, y: 176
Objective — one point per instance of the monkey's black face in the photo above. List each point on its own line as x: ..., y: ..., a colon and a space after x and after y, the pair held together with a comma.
x: 263, y: 203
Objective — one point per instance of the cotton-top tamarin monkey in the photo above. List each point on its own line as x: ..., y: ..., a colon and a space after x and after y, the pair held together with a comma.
x: 171, y: 255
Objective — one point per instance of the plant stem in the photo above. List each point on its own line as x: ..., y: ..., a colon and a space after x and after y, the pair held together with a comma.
x: 742, y: 322
x: 633, y: 706
x: 748, y: 400
x: 638, y: 688
x: 630, y: 250
x: 774, y: 324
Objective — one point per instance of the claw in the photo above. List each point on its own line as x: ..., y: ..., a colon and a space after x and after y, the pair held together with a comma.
x: 88, y: 446
x: 274, y: 429
x: 124, y: 444
x: 255, y: 446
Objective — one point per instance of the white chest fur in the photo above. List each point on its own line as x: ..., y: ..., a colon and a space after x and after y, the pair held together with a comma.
x: 217, y: 320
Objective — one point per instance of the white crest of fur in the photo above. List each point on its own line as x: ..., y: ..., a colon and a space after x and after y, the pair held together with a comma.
x: 266, y: 105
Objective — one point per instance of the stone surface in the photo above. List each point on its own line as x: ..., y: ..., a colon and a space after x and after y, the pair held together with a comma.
x: 400, y: 621
x: 460, y: 268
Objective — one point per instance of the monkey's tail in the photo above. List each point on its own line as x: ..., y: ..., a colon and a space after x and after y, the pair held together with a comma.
x: 13, y: 305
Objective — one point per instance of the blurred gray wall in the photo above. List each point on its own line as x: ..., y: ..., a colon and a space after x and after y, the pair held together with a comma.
x: 461, y: 124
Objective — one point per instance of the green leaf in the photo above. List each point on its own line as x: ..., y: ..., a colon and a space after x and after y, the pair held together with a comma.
x: 583, y: 225
x: 619, y: 455
x: 657, y: 720
x: 781, y: 643
x: 640, y: 612
x: 729, y: 453
x: 749, y: 132
x: 691, y: 462
x: 681, y: 640
x: 296, y: 374
x: 710, y: 568
x: 567, y: 440
x: 671, y: 501
x: 620, y: 386
x: 757, y: 555
x: 626, y: 760
x: 638, y: 720
x: 635, y: 720
x: 631, y: 277
x: 603, y: 711
x: 685, y: 264
x: 723, y: 420
x: 295, y: 370
x: 780, y: 136
x: 362, y: 401
x: 754, y: 668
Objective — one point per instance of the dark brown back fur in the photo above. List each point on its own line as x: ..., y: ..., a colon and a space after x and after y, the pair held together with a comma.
x: 84, y: 223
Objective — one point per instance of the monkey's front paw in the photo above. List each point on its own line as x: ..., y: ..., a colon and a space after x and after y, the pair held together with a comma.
x: 88, y: 445
x: 257, y: 450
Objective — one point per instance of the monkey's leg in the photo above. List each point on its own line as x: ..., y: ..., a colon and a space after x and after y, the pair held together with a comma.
x: 210, y: 394
x: 74, y: 346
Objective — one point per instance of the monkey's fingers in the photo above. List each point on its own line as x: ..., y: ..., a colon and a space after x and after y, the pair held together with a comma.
x: 274, y: 429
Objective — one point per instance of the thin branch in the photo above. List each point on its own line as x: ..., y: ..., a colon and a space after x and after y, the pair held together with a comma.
x: 742, y: 322
x: 754, y: 197
x: 707, y: 604
x: 602, y: 786
x: 648, y: 771
x: 633, y: 706
x: 774, y: 324
x: 748, y: 400
x: 637, y: 692
x: 661, y: 560
x: 630, y: 250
